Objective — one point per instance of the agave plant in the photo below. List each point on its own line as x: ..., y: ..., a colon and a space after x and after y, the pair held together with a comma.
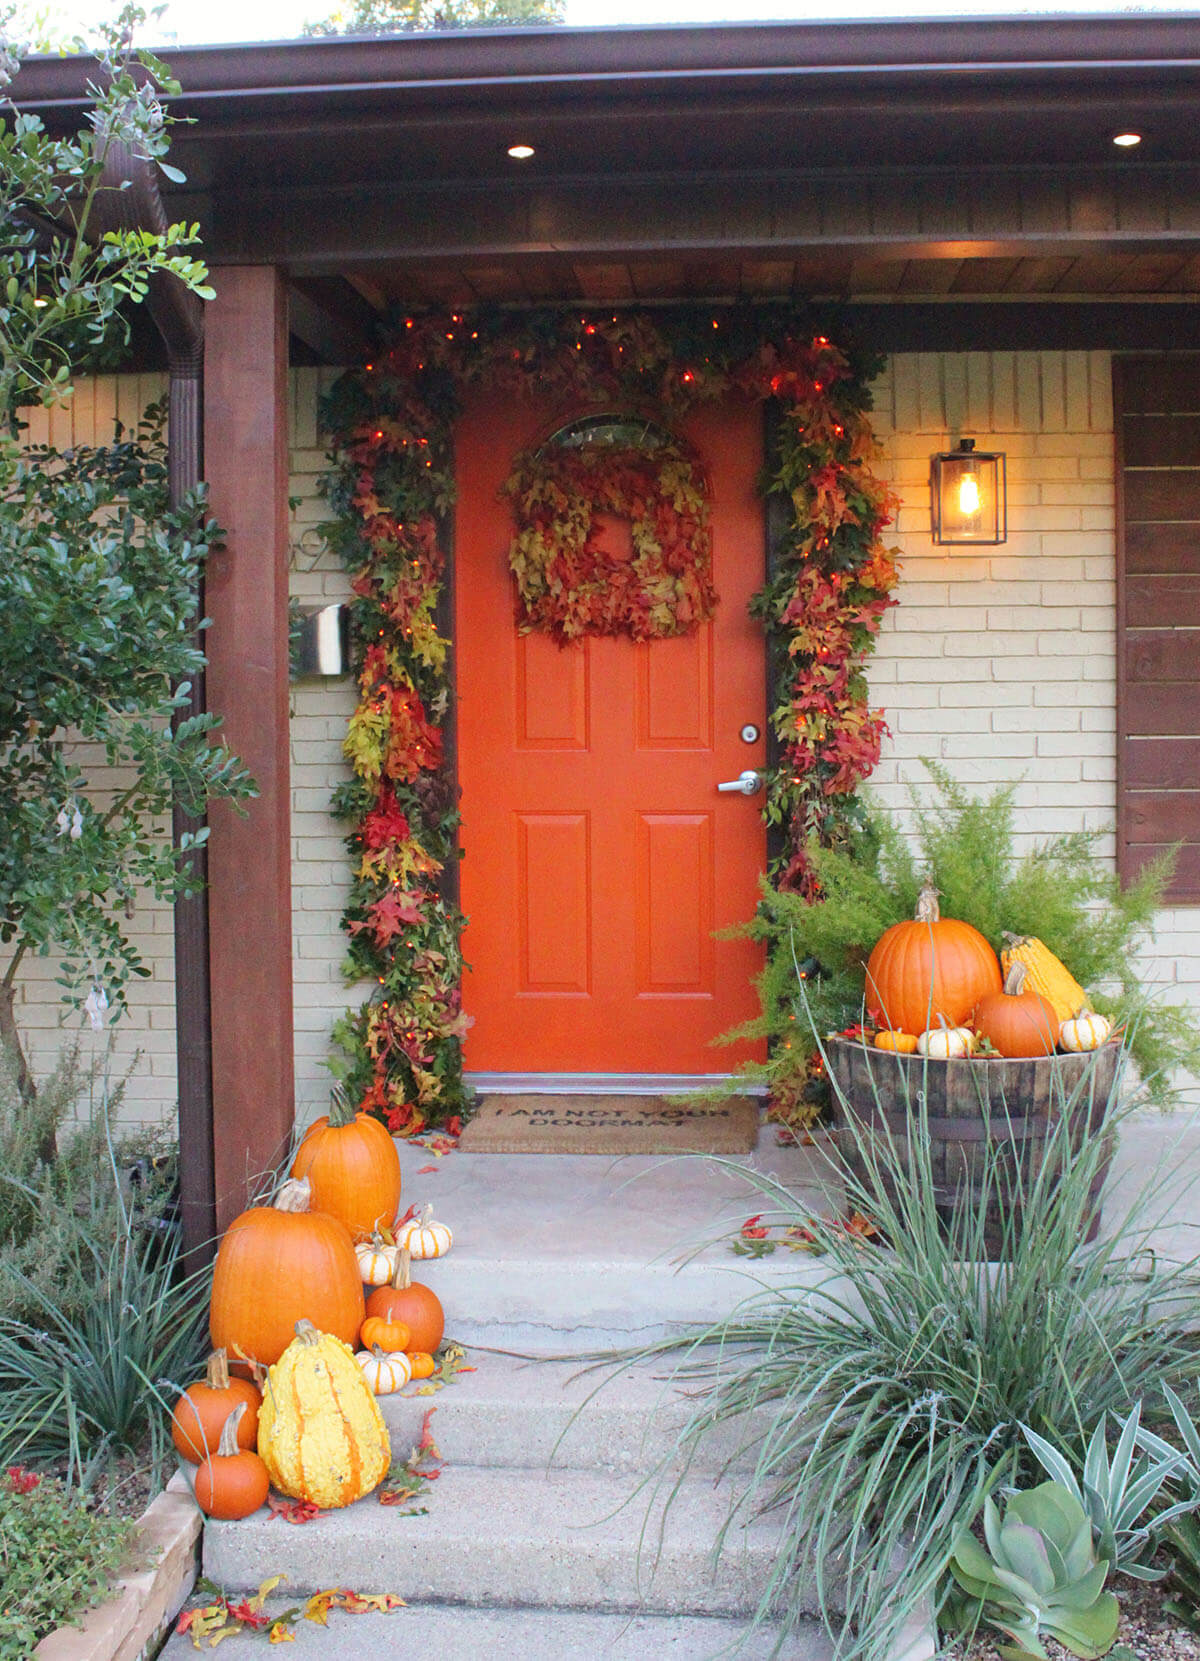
x: 1039, y: 1577
x: 1117, y: 1493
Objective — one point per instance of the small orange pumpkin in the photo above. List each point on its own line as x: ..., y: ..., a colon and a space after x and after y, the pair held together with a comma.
x: 900, y: 1043
x: 233, y: 1481
x: 423, y: 1364
x: 407, y: 1300
x: 1016, y: 1022
x: 388, y: 1335
x: 928, y: 968
x: 352, y: 1164
x: 202, y: 1409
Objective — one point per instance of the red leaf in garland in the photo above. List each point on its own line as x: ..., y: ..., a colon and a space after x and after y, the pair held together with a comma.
x: 391, y: 915
x: 385, y: 823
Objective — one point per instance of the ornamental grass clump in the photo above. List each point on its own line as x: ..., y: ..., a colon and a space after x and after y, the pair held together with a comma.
x: 95, y: 1305
x: 895, y: 1388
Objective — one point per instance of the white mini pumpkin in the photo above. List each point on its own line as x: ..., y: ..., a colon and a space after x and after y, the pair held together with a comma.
x: 423, y: 1237
x: 384, y: 1371
x: 376, y: 1261
x: 1085, y: 1031
x: 946, y: 1043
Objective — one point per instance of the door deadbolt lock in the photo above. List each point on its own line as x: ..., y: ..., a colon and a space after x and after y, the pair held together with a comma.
x: 750, y: 733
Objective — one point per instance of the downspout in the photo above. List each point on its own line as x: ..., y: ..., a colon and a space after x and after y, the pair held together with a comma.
x: 130, y: 200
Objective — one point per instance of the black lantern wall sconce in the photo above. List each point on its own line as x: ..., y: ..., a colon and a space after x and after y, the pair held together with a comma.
x: 968, y: 492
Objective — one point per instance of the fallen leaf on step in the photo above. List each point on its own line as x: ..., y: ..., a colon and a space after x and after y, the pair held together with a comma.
x: 293, y: 1511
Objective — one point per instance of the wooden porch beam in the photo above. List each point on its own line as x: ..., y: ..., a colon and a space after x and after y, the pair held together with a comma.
x: 249, y: 861
x: 335, y: 337
x: 1002, y: 213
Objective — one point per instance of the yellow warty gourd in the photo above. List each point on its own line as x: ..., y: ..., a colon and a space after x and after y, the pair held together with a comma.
x: 1046, y: 974
x: 320, y: 1432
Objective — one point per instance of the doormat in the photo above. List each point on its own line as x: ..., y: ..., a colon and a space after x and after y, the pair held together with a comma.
x: 610, y: 1125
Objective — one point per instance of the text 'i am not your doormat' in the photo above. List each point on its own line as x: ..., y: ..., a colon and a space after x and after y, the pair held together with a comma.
x: 611, y: 1125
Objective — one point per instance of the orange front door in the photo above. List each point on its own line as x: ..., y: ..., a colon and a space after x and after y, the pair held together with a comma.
x: 599, y: 856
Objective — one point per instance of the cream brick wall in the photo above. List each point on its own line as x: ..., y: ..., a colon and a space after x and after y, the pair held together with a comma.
x: 998, y: 661
x: 320, y: 711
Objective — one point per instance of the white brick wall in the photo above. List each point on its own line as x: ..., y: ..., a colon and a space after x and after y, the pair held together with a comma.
x: 320, y: 711
x: 999, y: 661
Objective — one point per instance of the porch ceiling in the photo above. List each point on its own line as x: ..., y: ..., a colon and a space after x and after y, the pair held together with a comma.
x: 843, y: 274
x: 911, y: 164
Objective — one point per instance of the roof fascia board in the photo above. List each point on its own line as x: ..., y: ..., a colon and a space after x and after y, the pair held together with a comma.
x: 934, y: 49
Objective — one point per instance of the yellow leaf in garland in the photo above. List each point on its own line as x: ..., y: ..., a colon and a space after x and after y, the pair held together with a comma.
x: 281, y: 1634
x: 365, y: 743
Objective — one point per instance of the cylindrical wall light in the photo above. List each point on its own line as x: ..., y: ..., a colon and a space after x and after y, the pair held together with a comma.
x: 968, y: 495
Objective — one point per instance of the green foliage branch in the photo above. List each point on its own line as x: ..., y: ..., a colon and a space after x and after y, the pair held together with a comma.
x: 98, y: 575
x: 392, y: 17
x: 391, y: 424
x: 65, y: 290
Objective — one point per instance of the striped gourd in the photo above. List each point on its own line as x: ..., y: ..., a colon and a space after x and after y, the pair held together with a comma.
x: 1046, y: 974
x: 320, y: 1432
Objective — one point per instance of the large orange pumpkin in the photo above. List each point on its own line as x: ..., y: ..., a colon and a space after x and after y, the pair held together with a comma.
x: 279, y: 1264
x: 407, y: 1300
x: 353, y: 1166
x: 934, y: 966
x: 1017, y: 1022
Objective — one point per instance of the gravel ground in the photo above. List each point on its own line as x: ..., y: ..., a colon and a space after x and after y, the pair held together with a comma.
x: 1147, y: 1633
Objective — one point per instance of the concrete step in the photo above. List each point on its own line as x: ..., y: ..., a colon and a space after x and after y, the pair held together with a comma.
x: 456, y: 1634
x: 563, y: 1539
x: 560, y: 1255
x: 529, y: 1415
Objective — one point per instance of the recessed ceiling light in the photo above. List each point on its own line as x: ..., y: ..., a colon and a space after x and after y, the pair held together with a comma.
x: 520, y: 152
x: 1127, y: 140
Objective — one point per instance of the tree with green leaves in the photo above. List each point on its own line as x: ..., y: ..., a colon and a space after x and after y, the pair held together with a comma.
x: 98, y: 572
x: 395, y: 17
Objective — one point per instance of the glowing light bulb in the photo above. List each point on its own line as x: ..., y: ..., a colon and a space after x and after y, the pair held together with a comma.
x: 968, y: 495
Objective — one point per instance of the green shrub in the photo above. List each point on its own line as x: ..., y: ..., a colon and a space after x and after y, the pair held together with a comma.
x: 894, y: 1389
x: 57, y: 1559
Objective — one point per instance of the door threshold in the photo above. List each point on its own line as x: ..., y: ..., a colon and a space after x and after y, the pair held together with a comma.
x: 609, y: 1084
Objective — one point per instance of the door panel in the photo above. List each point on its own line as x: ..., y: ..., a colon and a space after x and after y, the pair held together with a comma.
x: 599, y: 857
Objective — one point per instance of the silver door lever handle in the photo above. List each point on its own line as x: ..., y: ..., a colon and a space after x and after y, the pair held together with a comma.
x: 746, y: 784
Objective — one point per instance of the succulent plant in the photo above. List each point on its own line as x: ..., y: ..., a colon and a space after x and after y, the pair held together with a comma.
x: 1117, y: 1493
x: 1039, y: 1577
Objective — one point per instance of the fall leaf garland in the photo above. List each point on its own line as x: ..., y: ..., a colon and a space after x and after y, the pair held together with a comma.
x: 830, y: 585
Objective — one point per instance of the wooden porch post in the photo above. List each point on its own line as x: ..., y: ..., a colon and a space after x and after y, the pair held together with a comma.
x: 245, y: 448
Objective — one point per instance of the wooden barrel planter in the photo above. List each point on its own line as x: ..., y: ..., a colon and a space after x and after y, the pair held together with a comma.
x: 976, y: 1109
